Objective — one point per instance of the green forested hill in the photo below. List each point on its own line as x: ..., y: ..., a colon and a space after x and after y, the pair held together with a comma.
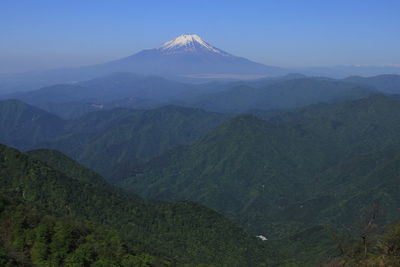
x: 23, y: 125
x: 67, y: 166
x: 181, y: 232
x: 326, y: 164
x: 111, y: 142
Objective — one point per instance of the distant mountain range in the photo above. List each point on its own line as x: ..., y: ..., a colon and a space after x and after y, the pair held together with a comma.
x: 344, y: 71
x: 129, y: 90
x: 279, y: 95
x: 386, y: 83
x: 108, y: 88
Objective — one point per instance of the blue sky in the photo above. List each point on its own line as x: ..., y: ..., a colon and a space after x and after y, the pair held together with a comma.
x: 39, y: 34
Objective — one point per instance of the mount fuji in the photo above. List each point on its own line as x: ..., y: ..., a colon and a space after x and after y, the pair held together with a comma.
x: 188, y: 55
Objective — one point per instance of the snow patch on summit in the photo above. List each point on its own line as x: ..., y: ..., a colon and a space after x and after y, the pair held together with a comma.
x: 189, y: 43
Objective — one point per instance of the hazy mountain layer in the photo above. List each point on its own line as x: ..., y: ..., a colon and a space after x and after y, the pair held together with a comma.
x: 389, y: 83
x: 285, y: 94
x: 146, y: 92
x: 23, y: 125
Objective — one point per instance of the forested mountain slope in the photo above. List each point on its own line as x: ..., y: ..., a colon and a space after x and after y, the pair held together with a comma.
x: 312, y: 165
x: 111, y: 142
x: 182, y: 232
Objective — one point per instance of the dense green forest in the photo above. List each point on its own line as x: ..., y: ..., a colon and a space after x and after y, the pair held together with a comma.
x: 326, y: 164
x: 177, y: 233
x: 31, y: 237
x: 113, y: 142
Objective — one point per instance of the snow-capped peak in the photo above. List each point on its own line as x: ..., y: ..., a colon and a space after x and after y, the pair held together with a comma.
x: 188, y: 43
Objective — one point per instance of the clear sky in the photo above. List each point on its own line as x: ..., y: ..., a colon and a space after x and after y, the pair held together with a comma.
x: 39, y: 34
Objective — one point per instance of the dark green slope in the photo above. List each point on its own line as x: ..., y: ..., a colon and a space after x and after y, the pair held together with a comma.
x: 222, y: 166
x: 67, y: 166
x: 113, y: 142
x: 182, y: 232
x: 313, y: 245
x: 23, y: 125
x: 246, y: 168
x: 368, y: 124
x: 366, y: 181
x: 31, y: 237
x: 278, y: 176
x: 285, y: 94
x: 348, y: 192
